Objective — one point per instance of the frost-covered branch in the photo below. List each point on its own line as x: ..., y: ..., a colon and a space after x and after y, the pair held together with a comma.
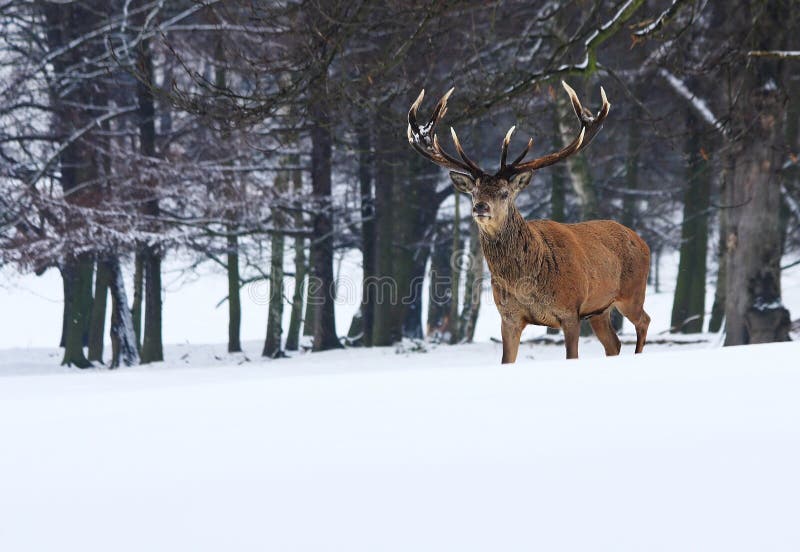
x: 697, y: 104
x: 657, y: 23
x: 779, y: 54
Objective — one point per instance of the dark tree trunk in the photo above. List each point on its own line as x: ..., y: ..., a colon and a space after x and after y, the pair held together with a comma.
x: 453, y: 331
x: 77, y: 274
x: 272, y: 342
x: 688, y: 306
x: 321, y: 282
x: 296, y: 318
x: 234, y: 299
x: 406, y: 203
x: 232, y: 249
x: 311, y: 307
x: 152, y: 347
x: 382, y: 291
x: 138, y: 293
x: 63, y: 23
x: 439, y: 293
x: 415, y: 216
x: 98, y: 317
x: 473, y: 286
x: 64, y: 314
x: 367, y: 232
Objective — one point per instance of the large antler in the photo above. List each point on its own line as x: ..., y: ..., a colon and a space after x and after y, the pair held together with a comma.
x: 423, y: 138
x: 590, y: 126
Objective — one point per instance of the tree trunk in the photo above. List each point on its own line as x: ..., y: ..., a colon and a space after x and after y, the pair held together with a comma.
x: 232, y: 250
x: 630, y: 207
x: 753, y: 309
x: 77, y: 274
x: 367, y: 232
x: 272, y: 342
x: 558, y: 195
x: 311, y: 307
x: 439, y: 298
x: 65, y: 314
x: 62, y: 25
x: 406, y: 226
x: 578, y: 167
x: 234, y: 299
x: 688, y: 306
x: 138, y: 293
x: 419, y: 224
x: 473, y: 286
x: 453, y: 330
x: 321, y: 273
x: 123, y: 338
x: 296, y: 318
x: 98, y: 317
x: 791, y: 174
x: 152, y: 346
x: 718, y: 308
x: 382, y: 290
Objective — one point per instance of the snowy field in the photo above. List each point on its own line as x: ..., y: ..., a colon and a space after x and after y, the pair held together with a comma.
x: 681, y: 448
x: 687, y: 447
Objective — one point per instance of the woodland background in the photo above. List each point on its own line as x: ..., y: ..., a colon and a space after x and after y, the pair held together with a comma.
x: 265, y: 137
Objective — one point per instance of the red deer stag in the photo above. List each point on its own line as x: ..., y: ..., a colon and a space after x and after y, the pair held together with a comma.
x: 545, y: 272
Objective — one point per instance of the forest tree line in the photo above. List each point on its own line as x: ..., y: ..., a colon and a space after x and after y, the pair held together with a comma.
x: 265, y: 137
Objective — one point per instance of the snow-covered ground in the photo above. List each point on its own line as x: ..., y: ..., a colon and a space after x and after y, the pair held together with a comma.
x: 687, y: 447
x: 691, y: 447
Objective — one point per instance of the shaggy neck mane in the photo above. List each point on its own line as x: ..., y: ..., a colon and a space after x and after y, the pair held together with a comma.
x: 516, y: 250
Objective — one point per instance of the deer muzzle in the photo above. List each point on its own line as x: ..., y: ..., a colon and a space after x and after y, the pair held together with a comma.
x: 481, y: 210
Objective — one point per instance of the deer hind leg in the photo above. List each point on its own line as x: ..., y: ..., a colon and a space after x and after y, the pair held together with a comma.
x: 640, y: 320
x: 511, y: 332
x: 601, y: 325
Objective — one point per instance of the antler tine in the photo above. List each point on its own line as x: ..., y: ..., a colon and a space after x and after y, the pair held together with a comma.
x: 425, y: 142
x: 461, y: 153
x: 412, y: 116
x: 590, y: 126
x: 522, y: 155
x: 504, y: 150
x: 440, y: 109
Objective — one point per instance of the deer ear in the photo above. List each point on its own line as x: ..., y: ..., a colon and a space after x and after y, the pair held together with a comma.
x: 519, y: 181
x: 463, y: 183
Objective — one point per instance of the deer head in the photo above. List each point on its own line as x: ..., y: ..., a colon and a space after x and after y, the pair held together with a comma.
x: 493, y: 195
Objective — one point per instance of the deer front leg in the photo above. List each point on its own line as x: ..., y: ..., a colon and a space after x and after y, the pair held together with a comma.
x: 511, y: 332
x: 572, y: 332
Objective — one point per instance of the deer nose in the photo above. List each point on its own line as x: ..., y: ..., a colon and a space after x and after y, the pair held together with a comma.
x: 480, y: 209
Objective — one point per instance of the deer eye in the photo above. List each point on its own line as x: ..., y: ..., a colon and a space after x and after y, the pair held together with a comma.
x: 504, y: 194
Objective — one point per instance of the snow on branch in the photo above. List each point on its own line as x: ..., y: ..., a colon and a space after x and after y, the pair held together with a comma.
x: 659, y: 21
x: 697, y: 104
x: 779, y: 54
